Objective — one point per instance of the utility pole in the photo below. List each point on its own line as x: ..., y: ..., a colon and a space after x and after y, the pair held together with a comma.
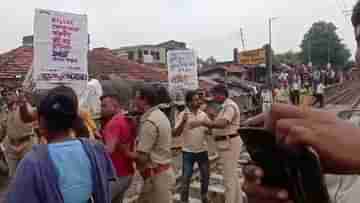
x: 347, y: 13
x: 309, y: 47
x: 328, y: 57
x: 270, y: 50
x: 226, y: 78
x: 242, y: 39
x: 328, y: 48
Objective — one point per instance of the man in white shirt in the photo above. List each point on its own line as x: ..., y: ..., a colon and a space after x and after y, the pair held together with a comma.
x: 225, y: 128
x: 267, y: 100
x: 316, y: 76
x: 195, y: 146
x: 332, y: 76
x: 319, y: 94
x: 295, y: 90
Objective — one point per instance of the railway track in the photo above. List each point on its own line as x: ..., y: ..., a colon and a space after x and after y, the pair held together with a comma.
x: 348, y: 96
x: 356, y: 104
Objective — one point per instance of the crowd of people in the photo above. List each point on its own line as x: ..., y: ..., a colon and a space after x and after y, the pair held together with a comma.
x: 103, y: 160
x: 297, y: 85
x: 335, y: 141
x: 44, y: 143
x: 294, y: 83
x: 57, y: 153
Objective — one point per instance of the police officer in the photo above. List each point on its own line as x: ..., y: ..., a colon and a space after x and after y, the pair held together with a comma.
x: 153, y: 153
x: 18, y: 135
x: 224, y: 129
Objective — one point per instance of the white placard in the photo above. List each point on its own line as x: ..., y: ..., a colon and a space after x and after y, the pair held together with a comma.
x: 60, y: 50
x: 182, y: 70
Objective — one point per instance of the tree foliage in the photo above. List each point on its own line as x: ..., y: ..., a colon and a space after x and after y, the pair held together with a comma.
x: 350, y: 64
x: 275, y: 60
x: 210, y: 61
x: 321, y: 43
x: 289, y: 57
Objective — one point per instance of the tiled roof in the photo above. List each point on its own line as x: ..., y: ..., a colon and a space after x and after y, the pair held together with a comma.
x: 103, y: 61
x: 15, y: 64
x: 207, y: 84
x: 236, y: 68
x: 231, y: 68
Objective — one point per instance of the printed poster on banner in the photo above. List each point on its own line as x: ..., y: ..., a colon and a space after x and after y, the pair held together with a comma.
x: 182, y: 72
x: 60, y: 50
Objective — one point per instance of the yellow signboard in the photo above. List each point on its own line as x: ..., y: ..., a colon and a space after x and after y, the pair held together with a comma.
x: 252, y: 57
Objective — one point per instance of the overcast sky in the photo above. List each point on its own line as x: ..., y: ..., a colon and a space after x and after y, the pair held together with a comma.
x: 211, y: 27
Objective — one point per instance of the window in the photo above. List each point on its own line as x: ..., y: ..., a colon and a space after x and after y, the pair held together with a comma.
x: 157, y: 56
x: 131, y: 55
x: 140, y: 54
x: 146, y: 52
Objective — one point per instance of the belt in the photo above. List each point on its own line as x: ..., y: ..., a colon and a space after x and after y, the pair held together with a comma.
x: 150, y: 172
x: 222, y: 138
x: 19, y: 140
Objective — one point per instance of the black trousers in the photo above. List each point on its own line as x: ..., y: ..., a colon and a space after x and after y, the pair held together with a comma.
x: 319, y: 98
x: 295, y: 97
x: 189, y: 159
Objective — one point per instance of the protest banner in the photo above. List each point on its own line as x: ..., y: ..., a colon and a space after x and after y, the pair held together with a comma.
x: 182, y: 72
x: 60, y: 50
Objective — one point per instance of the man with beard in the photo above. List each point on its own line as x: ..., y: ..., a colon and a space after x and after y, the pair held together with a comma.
x: 119, y: 135
x: 195, y: 147
x: 224, y: 129
x: 153, y: 150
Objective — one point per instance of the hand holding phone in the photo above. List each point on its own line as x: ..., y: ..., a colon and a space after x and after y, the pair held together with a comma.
x: 297, y: 170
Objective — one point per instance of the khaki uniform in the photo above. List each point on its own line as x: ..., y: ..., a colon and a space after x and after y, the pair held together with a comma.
x: 17, y: 134
x: 155, y: 140
x: 229, y: 150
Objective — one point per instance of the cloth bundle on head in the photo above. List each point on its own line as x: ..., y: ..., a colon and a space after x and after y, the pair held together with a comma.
x: 90, y: 99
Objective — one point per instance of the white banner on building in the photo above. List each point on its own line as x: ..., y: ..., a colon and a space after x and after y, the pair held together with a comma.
x: 182, y: 71
x: 60, y: 50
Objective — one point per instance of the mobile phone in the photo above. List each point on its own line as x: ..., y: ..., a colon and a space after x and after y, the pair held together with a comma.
x: 297, y: 170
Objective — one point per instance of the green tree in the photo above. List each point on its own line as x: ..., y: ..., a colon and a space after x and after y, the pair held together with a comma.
x: 275, y: 60
x: 289, y: 57
x: 210, y: 61
x: 322, y: 43
x: 349, y: 65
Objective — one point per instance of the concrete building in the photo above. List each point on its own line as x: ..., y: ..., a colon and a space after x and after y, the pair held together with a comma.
x: 155, y: 54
